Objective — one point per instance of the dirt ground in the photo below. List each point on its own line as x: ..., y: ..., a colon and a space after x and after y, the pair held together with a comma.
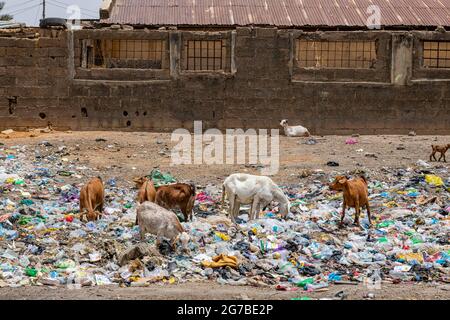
x: 214, y: 291
x: 125, y: 155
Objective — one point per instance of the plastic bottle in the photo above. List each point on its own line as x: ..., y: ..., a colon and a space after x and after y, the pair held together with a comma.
x: 31, y: 272
x: 315, y: 286
x: 24, y: 261
x: 288, y: 269
x: 304, y: 282
x: 400, y: 275
x: 326, y: 253
x: 334, y: 277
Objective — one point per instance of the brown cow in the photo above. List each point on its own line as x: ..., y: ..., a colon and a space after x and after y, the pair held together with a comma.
x: 91, y: 199
x: 147, y: 191
x: 441, y: 149
x: 179, y: 195
x: 355, y: 195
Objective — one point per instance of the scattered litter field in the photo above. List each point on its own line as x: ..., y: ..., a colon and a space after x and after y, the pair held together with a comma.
x: 46, y: 252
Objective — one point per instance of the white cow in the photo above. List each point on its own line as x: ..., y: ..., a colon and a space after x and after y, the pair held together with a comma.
x: 258, y: 191
x: 294, y: 131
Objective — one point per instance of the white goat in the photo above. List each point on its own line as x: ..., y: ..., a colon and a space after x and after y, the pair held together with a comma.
x: 294, y: 131
x: 258, y: 191
x: 161, y: 222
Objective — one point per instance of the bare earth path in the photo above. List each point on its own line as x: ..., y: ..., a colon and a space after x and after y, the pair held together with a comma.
x: 214, y: 291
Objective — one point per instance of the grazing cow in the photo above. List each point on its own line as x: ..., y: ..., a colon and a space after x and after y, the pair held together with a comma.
x: 441, y: 149
x: 91, y: 199
x: 161, y: 222
x: 294, y: 131
x: 147, y: 191
x: 179, y: 195
x: 258, y: 191
x: 356, y: 195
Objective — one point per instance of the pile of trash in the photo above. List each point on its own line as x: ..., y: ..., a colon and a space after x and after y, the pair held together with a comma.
x: 42, y: 241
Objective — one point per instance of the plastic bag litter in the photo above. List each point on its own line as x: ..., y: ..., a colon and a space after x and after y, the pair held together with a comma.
x: 410, y: 228
x: 434, y: 180
x: 160, y: 178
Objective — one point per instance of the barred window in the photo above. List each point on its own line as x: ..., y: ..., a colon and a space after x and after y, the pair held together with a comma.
x: 436, y: 54
x: 336, y: 54
x: 135, y: 54
x: 204, y: 55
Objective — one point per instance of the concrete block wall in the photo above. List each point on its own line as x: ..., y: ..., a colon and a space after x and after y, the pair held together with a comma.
x: 41, y: 81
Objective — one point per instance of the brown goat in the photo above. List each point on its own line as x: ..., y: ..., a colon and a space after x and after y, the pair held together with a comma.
x: 355, y: 195
x: 441, y: 149
x: 179, y: 195
x: 91, y: 199
x: 147, y: 191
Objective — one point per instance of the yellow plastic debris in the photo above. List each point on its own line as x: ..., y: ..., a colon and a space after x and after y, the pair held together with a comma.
x: 223, y: 236
x: 411, y: 256
x: 434, y: 180
x: 390, y: 204
x: 221, y: 261
x: 10, y: 180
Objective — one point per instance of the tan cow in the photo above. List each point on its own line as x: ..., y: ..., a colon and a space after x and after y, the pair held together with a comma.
x: 147, y: 191
x: 179, y: 195
x: 91, y: 199
x: 356, y: 195
x: 439, y: 149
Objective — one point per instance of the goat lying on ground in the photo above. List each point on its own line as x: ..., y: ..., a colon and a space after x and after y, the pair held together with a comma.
x: 441, y: 149
x: 91, y: 199
x: 179, y: 195
x: 356, y: 195
x: 258, y: 191
x: 294, y: 131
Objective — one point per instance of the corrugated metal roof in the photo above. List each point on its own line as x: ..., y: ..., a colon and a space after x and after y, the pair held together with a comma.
x: 284, y: 13
x: 10, y: 24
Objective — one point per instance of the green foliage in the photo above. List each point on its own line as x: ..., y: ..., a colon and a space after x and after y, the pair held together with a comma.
x: 4, y: 17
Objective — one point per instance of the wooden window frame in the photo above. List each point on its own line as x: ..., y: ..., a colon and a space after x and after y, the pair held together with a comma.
x: 436, y: 54
x: 205, y: 55
x: 130, y: 53
x: 336, y: 54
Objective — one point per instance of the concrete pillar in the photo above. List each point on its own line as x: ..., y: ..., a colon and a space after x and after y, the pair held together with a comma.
x: 70, y: 59
x: 291, y: 54
x: 402, y: 59
x: 233, y: 56
x: 175, y: 53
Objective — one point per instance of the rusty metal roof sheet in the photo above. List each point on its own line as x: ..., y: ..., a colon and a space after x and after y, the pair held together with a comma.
x: 283, y: 13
